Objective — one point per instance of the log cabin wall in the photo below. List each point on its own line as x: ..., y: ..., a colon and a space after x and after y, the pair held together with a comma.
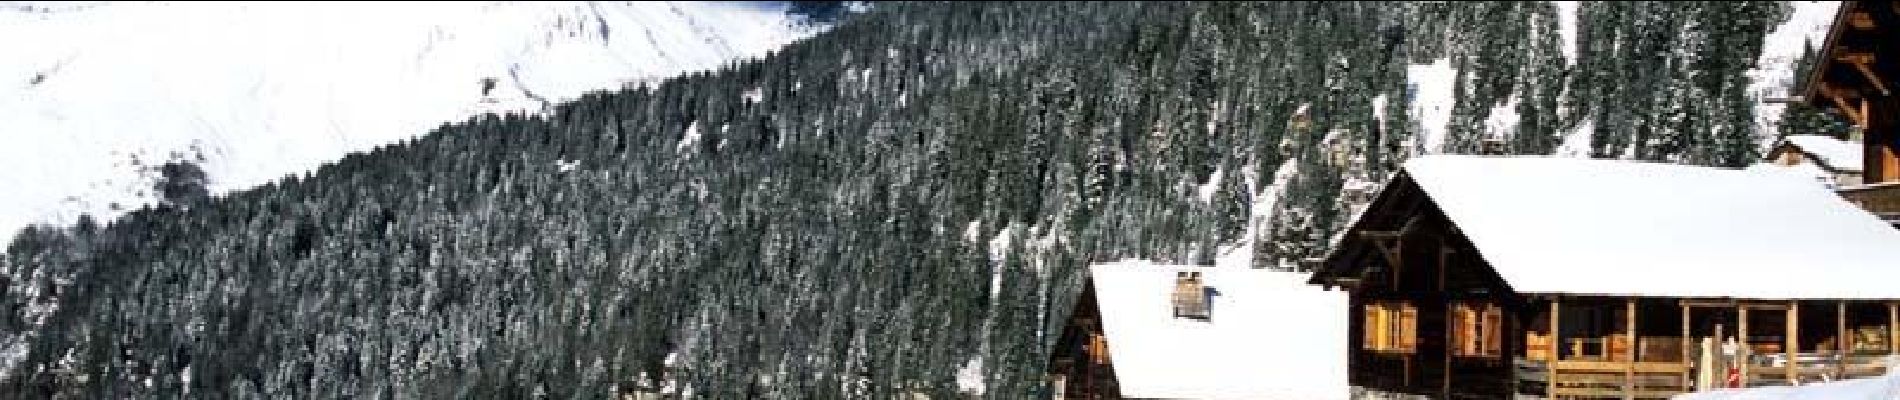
x: 1881, y: 159
x: 1855, y: 79
x: 1080, y: 366
x: 1436, y: 322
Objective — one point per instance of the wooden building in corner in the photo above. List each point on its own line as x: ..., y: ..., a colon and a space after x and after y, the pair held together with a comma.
x: 1490, y: 277
x: 1854, y: 77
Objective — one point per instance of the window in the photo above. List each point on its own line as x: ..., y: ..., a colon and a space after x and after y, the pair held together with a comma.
x: 1391, y: 327
x: 1477, y: 330
x: 1098, y: 348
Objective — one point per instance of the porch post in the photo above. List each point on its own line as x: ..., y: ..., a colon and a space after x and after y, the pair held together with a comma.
x: 1556, y: 348
x: 1685, y: 348
x: 1450, y: 310
x: 1513, y: 336
x: 1893, y: 328
x: 1629, y: 350
x: 1792, y: 340
x: 1741, y: 336
x: 1841, y: 346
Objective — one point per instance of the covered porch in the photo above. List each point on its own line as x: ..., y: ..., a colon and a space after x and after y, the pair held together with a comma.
x: 1623, y: 347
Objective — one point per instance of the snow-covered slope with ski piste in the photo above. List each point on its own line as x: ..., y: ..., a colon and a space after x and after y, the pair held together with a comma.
x: 95, y: 95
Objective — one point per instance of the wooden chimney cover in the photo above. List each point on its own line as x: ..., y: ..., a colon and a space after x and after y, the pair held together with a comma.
x: 1190, y: 297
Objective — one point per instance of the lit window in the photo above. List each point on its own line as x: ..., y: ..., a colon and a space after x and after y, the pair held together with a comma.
x: 1391, y: 327
x: 1477, y: 330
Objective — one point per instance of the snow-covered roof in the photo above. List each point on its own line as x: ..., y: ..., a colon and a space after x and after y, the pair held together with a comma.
x: 1270, y: 334
x: 1605, y: 227
x: 1834, y: 153
x: 1804, y: 170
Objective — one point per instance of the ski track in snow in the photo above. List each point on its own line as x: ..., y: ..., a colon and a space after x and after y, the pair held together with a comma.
x: 268, y: 90
x: 1432, y: 100
x: 1567, y: 29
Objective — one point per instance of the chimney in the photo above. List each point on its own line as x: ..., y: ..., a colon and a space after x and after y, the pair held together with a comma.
x: 1190, y: 296
x: 1491, y: 146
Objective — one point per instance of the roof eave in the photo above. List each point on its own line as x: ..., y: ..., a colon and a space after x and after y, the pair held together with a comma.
x: 1810, y: 89
x: 1326, y: 272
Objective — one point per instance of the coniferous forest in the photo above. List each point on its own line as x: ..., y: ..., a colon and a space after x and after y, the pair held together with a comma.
x: 870, y: 211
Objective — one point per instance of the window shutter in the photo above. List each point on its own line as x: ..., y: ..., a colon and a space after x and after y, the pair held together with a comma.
x: 1493, y: 331
x: 1455, y: 320
x: 1098, y: 348
x: 1374, y: 331
x: 1408, y: 328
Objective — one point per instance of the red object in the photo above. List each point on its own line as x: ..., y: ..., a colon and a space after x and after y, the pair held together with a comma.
x: 1734, y: 378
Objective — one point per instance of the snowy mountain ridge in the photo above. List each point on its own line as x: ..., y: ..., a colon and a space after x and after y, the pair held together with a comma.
x: 104, y: 92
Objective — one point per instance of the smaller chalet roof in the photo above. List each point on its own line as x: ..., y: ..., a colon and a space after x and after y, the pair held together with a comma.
x: 1608, y: 227
x: 1835, y: 154
x: 1811, y: 171
x: 1269, y: 335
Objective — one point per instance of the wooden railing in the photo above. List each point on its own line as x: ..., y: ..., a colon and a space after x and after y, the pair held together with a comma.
x: 1772, y: 370
x: 1532, y: 375
x: 1579, y: 379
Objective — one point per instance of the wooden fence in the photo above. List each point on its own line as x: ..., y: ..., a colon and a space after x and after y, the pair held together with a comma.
x: 1772, y: 369
x: 1581, y: 379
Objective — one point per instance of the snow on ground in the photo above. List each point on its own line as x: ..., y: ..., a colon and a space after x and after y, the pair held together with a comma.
x: 1378, y: 110
x: 1876, y: 388
x: 1159, y: 356
x: 91, y: 95
x: 999, y: 252
x: 1577, y: 141
x: 1432, y: 99
x: 689, y: 138
x: 1567, y: 29
x: 1503, y: 119
x: 1207, y: 190
x: 970, y: 377
x: 1742, y: 249
x: 1774, y: 70
x: 1260, y: 215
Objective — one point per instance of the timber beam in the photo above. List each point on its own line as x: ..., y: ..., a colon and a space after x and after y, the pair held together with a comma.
x: 1792, y: 342
x: 1732, y: 303
x: 1387, y: 242
x: 1868, y: 72
x: 1849, y: 56
x: 1839, y: 97
x: 1860, y: 20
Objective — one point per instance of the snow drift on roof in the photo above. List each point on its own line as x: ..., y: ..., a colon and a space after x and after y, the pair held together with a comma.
x: 1270, y: 336
x: 1835, y: 153
x: 1804, y: 170
x: 1559, y: 225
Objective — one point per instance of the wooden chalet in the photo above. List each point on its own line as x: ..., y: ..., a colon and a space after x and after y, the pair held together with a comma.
x: 1493, y: 277
x: 1141, y: 330
x: 1855, y: 79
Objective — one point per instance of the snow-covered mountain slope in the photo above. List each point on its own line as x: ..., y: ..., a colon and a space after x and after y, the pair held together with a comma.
x: 1807, y: 22
x: 93, y: 95
x: 1772, y: 76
